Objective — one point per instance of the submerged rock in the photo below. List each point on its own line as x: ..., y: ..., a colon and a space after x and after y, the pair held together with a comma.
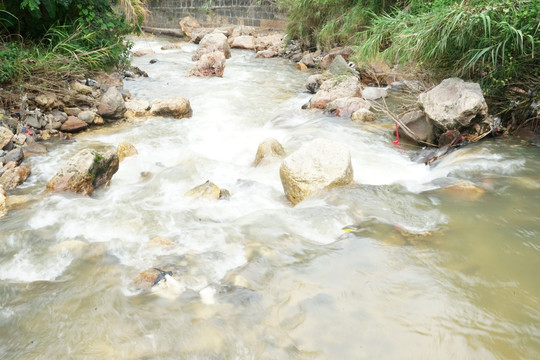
x: 465, y: 190
x: 124, y: 150
x: 208, y: 190
x: 85, y: 171
x: 177, y: 107
x: 268, y: 149
x: 160, y: 241
x: 33, y: 148
x: 454, y: 104
x: 143, y: 52
x: 318, y: 165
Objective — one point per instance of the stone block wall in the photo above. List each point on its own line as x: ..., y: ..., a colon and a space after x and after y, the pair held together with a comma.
x: 263, y: 13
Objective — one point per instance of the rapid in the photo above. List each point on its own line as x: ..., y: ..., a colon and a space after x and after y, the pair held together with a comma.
x: 391, y: 267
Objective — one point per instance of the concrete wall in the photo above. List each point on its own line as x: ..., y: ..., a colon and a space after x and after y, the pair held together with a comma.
x: 167, y: 13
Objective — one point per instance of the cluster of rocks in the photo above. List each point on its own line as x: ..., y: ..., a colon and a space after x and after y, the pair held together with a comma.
x: 447, y: 115
x: 86, y: 103
x: 215, y: 44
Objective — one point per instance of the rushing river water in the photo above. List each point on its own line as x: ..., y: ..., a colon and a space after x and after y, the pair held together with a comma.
x: 389, y: 268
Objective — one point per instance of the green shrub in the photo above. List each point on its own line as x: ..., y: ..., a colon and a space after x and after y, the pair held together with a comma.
x: 494, y: 42
x: 69, y: 35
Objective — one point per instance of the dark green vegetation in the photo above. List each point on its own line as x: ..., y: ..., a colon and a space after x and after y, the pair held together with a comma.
x: 42, y: 41
x: 494, y: 42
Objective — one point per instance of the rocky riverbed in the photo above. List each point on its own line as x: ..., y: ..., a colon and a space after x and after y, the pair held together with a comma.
x: 196, y: 250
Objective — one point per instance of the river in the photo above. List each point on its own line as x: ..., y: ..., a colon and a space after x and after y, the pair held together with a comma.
x: 391, y: 267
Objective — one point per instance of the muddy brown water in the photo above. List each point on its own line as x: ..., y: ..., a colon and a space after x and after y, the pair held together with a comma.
x: 391, y: 267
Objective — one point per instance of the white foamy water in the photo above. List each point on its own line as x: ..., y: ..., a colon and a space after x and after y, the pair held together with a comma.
x: 387, y: 268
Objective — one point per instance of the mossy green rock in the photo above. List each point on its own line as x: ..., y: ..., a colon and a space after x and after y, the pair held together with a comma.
x: 86, y: 171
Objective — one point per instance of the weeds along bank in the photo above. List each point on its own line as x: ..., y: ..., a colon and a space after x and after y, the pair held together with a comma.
x: 496, y: 43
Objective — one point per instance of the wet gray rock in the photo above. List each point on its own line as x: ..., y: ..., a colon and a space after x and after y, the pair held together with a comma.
x: 15, y: 155
x: 33, y: 122
x: 87, y: 116
x: 419, y: 124
x: 328, y: 59
x: 111, y: 105
x: 340, y: 67
x: 269, y: 149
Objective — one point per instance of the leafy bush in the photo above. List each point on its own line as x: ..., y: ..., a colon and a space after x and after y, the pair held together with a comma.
x: 74, y: 35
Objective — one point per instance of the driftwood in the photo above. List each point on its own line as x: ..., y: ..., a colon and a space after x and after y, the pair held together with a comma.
x: 384, y: 109
x: 163, y: 31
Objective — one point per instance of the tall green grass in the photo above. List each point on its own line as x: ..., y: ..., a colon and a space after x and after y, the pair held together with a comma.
x: 495, y: 42
x: 329, y: 23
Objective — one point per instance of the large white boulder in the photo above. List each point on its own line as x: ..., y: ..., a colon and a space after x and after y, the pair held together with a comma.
x: 454, y: 104
x: 210, y: 43
x: 318, y: 165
